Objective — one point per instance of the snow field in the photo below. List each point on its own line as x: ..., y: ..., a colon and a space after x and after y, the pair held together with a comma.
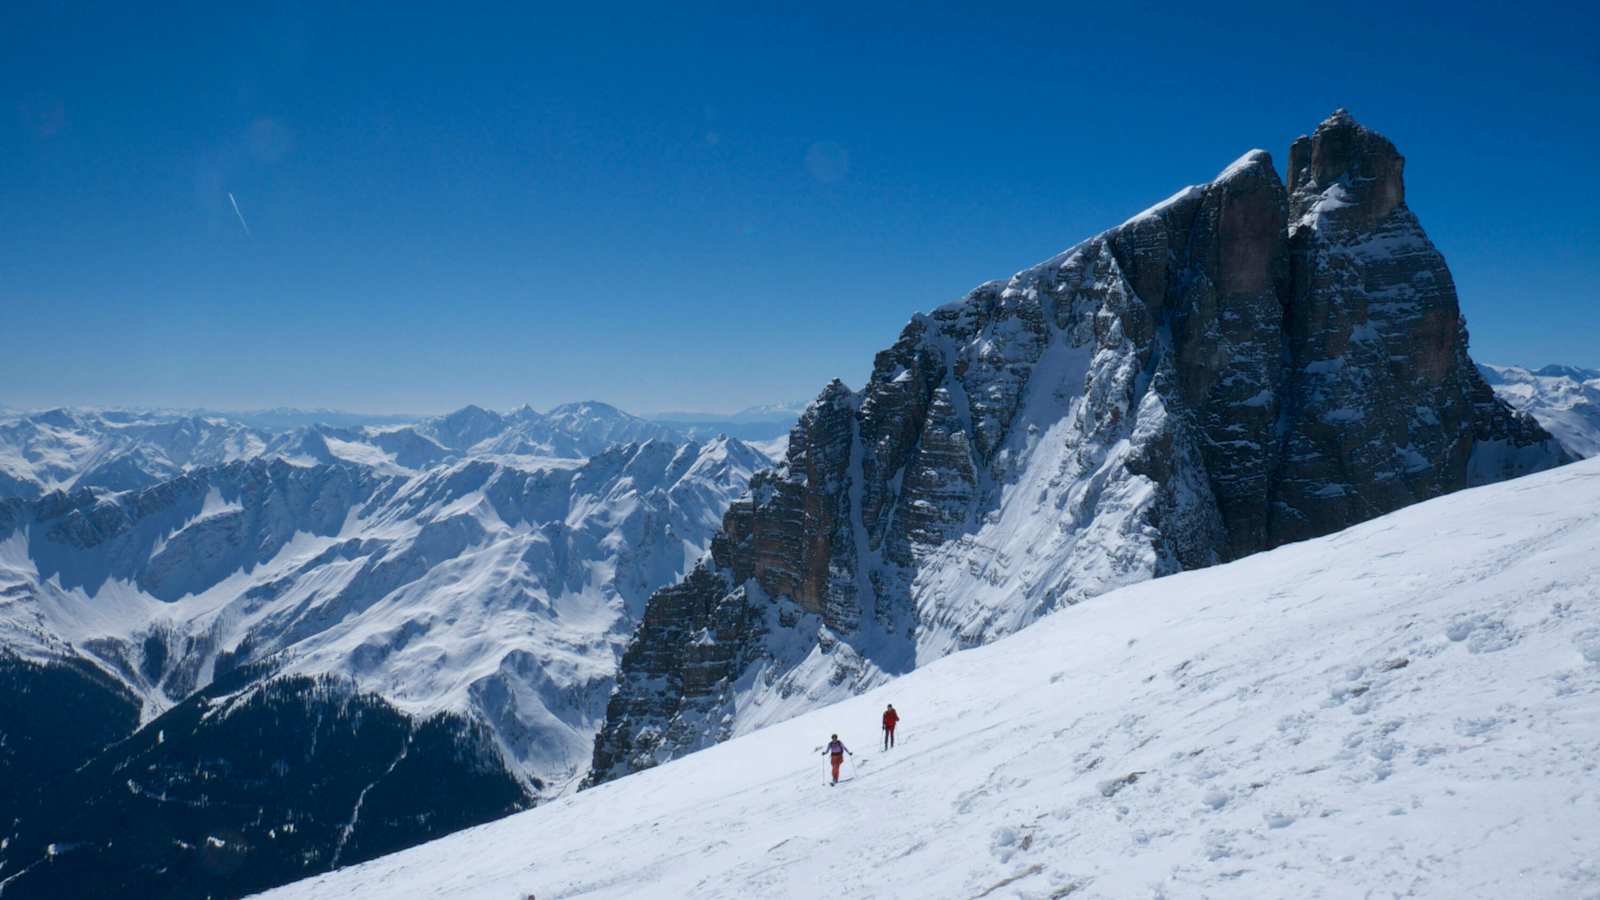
x: 1410, y: 707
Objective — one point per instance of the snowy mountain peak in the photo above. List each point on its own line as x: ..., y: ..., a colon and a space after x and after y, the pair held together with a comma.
x: 1253, y: 164
x: 1340, y: 117
x: 771, y: 412
x: 1575, y: 373
x: 1240, y: 367
x: 588, y: 409
x: 456, y: 591
x: 124, y: 450
x: 465, y: 427
x: 1345, y: 177
x: 59, y: 417
x: 498, y: 590
x: 1563, y: 399
x: 767, y: 425
x: 113, y: 450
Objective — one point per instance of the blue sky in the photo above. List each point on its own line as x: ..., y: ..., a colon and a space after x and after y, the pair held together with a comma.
x: 702, y: 209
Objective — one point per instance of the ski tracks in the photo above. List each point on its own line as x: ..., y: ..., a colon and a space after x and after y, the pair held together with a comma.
x: 355, y: 814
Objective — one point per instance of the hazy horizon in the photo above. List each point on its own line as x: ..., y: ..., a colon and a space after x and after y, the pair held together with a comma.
x: 662, y: 414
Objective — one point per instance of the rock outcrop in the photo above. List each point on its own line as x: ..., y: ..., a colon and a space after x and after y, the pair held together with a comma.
x: 1243, y: 365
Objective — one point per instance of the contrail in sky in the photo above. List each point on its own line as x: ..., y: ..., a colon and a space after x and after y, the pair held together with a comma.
x: 240, y: 215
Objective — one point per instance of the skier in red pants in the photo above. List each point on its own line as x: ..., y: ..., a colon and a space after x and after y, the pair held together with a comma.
x: 836, y: 751
x: 890, y: 718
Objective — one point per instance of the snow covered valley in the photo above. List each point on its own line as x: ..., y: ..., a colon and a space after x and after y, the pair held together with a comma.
x: 1408, y: 707
x: 1564, y: 399
x: 257, y: 671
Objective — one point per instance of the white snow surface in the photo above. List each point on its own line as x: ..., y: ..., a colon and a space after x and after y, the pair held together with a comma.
x: 1408, y: 707
x: 1564, y: 399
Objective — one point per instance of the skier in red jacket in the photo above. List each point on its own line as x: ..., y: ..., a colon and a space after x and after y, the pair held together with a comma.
x: 890, y: 718
x: 836, y: 751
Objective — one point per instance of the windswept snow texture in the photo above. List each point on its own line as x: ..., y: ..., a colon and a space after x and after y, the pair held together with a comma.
x: 1564, y: 399
x: 1408, y: 707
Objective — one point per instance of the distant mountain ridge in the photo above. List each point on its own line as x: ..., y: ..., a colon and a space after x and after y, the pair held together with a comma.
x: 1564, y: 399
x: 360, y: 637
x: 756, y: 423
x: 118, y: 450
x: 285, y: 417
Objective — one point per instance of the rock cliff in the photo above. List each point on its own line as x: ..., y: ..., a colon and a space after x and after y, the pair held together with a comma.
x: 1245, y: 364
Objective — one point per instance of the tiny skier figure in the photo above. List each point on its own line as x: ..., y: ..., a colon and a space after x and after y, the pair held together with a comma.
x: 836, y: 751
x: 890, y: 718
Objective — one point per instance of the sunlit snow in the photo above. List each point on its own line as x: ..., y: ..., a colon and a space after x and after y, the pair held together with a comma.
x: 1407, y: 707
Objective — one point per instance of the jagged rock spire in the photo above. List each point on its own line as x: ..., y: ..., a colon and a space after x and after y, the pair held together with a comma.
x: 1235, y: 368
x: 1347, y: 167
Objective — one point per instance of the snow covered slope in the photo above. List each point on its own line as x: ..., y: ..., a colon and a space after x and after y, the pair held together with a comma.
x: 326, y: 659
x: 1407, y: 707
x: 1564, y: 399
x: 112, y: 450
x: 572, y: 430
x: 504, y: 591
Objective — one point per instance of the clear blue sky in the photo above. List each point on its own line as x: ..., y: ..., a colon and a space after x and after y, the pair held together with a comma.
x: 700, y: 208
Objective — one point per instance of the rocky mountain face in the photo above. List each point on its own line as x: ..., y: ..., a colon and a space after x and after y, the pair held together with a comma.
x: 1563, y: 399
x: 1246, y: 364
x: 286, y: 666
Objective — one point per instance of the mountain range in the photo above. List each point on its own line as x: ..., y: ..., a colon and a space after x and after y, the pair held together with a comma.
x: 120, y: 450
x: 307, y: 645
x: 248, y: 651
x: 767, y: 422
x: 1564, y: 399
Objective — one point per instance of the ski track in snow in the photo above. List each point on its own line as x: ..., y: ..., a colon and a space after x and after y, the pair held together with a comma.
x: 355, y: 813
x: 1410, y: 707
